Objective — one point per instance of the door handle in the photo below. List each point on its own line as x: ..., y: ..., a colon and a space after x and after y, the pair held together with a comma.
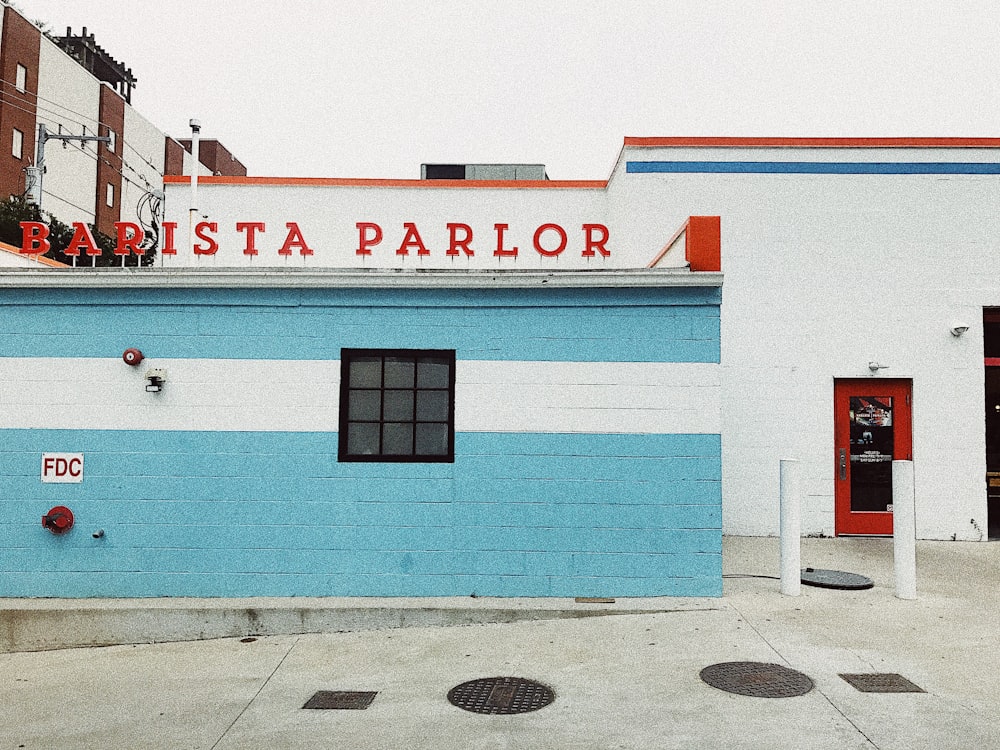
x: 843, y: 463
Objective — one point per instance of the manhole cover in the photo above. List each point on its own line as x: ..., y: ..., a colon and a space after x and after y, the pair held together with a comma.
x: 835, y: 579
x: 344, y: 699
x: 757, y: 679
x: 501, y: 695
x: 882, y: 682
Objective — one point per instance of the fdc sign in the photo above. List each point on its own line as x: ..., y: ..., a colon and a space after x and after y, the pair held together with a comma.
x: 62, y: 468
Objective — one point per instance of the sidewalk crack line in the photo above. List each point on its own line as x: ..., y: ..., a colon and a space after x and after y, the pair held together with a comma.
x: 259, y: 691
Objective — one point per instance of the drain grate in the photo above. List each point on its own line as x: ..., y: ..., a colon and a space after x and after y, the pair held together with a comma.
x: 882, y: 682
x: 757, y: 679
x: 835, y: 579
x: 501, y: 695
x: 343, y: 699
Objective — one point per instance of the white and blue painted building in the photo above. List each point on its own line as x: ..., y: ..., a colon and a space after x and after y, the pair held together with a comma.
x: 341, y: 422
x: 509, y: 387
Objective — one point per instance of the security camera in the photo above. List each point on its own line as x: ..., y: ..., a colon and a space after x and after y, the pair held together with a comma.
x: 958, y: 329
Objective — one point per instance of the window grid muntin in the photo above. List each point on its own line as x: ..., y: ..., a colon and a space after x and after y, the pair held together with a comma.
x: 359, y: 382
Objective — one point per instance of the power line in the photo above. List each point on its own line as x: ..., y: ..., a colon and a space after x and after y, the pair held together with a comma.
x: 83, y: 147
x: 70, y: 203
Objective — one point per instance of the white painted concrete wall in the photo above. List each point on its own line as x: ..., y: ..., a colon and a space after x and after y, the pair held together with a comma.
x: 303, y: 395
x: 825, y: 273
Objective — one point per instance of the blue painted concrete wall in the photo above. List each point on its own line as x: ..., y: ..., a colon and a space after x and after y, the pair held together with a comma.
x: 575, y: 325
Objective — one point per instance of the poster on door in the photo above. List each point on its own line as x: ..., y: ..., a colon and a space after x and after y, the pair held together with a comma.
x: 871, y: 453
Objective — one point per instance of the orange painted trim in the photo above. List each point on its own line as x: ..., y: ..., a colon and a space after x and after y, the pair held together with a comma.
x: 351, y: 182
x: 703, y: 246
x: 37, y: 258
x: 727, y: 142
x: 702, y: 243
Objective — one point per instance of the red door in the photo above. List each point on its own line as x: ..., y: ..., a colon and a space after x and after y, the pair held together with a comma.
x: 872, y: 426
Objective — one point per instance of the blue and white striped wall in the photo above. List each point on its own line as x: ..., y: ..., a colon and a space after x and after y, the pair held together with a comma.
x: 587, y: 450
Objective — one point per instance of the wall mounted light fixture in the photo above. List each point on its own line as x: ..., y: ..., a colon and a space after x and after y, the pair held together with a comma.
x: 875, y: 366
x: 957, y: 329
x: 155, y: 379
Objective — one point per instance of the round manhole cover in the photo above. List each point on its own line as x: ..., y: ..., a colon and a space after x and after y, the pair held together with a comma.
x: 835, y: 579
x: 757, y: 679
x: 501, y: 695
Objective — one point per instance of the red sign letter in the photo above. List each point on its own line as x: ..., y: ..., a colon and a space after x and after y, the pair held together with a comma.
x: 366, y: 243
x: 538, y: 239
x: 128, y: 242
x: 200, y: 228
x: 411, y: 239
x: 294, y: 239
x: 595, y: 243
x: 33, y: 234
x: 251, y: 228
x: 168, y: 238
x: 455, y: 244
x: 82, y: 238
x: 501, y: 250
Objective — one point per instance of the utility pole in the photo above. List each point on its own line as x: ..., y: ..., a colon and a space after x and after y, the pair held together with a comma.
x: 35, y: 173
x: 195, y: 126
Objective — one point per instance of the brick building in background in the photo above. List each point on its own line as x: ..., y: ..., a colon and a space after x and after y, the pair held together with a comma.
x: 73, y: 86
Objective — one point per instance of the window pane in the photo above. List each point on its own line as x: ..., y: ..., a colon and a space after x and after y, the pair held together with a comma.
x: 364, y: 406
x: 362, y: 439
x: 398, y: 406
x: 388, y: 397
x: 366, y: 372
x: 432, y: 406
x: 433, y: 373
x: 432, y: 440
x: 398, y: 372
x: 397, y: 439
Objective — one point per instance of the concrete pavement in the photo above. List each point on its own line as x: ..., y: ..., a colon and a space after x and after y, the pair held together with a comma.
x: 621, y: 681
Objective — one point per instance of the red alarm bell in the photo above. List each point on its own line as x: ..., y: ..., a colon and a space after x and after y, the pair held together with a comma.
x: 59, y: 520
x: 132, y: 357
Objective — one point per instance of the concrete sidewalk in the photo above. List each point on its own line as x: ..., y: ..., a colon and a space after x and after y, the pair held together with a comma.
x: 621, y: 681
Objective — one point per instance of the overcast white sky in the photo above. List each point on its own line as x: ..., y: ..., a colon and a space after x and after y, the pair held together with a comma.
x: 372, y: 89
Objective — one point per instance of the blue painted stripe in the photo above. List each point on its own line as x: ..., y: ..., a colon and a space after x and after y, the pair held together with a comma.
x: 516, y: 514
x: 627, y: 325
x: 139, y: 584
x: 810, y: 167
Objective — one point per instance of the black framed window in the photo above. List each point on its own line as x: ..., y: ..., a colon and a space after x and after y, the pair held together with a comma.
x: 397, y: 405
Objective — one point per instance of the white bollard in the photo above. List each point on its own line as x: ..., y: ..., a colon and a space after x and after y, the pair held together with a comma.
x: 791, y: 528
x: 904, y: 530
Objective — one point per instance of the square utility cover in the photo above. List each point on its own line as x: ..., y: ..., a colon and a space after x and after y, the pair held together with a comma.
x: 347, y: 699
x: 882, y: 682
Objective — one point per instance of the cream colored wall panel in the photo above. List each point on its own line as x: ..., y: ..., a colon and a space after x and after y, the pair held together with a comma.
x: 68, y: 98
